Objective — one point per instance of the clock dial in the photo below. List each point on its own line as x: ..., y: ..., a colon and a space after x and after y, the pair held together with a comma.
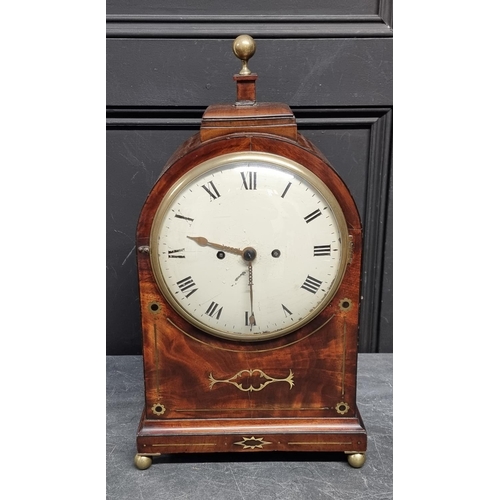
x: 249, y: 246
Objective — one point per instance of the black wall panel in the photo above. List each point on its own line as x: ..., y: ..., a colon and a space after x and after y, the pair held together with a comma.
x: 166, y: 64
x: 243, y: 8
x: 301, y: 72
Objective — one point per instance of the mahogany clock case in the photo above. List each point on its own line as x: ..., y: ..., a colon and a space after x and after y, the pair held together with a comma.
x: 295, y: 392
x: 337, y: 77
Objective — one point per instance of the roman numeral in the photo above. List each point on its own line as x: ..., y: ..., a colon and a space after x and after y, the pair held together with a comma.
x: 320, y: 250
x: 213, y: 311
x: 312, y: 215
x: 286, y: 189
x: 286, y: 311
x: 311, y: 284
x: 183, y: 217
x: 176, y: 254
x: 249, y: 321
x: 186, y: 285
x: 249, y: 180
x: 211, y: 190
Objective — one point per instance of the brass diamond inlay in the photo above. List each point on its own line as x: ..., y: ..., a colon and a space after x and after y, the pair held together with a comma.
x: 252, y: 443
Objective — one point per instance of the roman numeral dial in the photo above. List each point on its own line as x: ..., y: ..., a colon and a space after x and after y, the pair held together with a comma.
x: 249, y: 180
x: 322, y: 250
x: 311, y: 284
x: 187, y: 286
x: 210, y: 188
x: 313, y: 215
x: 214, y: 310
x: 249, y: 248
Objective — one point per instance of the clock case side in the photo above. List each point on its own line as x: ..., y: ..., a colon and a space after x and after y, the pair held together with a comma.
x: 184, y: 410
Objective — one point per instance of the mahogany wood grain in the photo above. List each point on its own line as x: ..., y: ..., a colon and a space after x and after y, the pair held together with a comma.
x: 192, y: 401
x: 245, y: 89
x: 268, y: 118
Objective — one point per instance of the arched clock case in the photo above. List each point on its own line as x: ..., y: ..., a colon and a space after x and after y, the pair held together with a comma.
x: 249, y: 261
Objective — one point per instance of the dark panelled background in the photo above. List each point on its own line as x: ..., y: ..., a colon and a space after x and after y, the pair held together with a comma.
x: 330, y: 60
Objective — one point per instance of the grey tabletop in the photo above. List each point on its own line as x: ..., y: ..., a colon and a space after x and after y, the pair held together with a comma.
x: 263, y: 476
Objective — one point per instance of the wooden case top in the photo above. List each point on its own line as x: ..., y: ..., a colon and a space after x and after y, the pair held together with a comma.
x: 248, y: 115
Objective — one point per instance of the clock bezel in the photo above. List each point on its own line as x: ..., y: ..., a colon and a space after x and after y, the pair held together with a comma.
x: 200, y: 169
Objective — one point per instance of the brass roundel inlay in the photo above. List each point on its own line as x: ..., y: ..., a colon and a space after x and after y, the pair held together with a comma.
x: 342, y: 407
x: 154, y: 307
x: 345, y: 304
x: 158, y: 409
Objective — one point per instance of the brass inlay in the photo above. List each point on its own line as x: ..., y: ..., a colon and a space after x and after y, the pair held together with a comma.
x: 257, y: 408
x: 343, y: 357
x: 256, y: 350
x: 345, y: 304
x: 298, y: 443
x: 184, y: 444
x: 252, y: 443
x: 342, y: 407
x: 158, y: 409
x: 157, y: 362
x: 251, y: 388
x: 154, y: 307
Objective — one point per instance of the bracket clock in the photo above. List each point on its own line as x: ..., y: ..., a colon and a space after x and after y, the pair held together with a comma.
x: 249, y: 257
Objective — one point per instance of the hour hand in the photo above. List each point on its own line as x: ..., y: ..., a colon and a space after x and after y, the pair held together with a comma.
x: 203, y: 242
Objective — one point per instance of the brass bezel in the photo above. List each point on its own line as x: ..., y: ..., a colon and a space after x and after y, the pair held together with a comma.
x: 219, y: 162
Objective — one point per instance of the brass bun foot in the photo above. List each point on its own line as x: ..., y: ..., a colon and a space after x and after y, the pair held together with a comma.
x: 142, y: 462
x: 356, y: 460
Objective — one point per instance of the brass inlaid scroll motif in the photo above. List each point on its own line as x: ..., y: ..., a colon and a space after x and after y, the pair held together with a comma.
x: 250, y: 387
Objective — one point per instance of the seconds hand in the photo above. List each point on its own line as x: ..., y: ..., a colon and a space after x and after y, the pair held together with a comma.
x: 251, y: 319
x: 249, y: 255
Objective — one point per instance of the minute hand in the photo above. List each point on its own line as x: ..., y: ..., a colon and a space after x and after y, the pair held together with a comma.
x: 203, y: 242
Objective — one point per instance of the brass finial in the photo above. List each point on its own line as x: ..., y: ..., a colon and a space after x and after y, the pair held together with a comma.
x: 244, y: 49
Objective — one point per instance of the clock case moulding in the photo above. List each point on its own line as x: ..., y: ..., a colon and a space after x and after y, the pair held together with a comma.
x: 209, y: 394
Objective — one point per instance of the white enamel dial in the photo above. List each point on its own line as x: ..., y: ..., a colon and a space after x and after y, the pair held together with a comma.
x: 249, y: 246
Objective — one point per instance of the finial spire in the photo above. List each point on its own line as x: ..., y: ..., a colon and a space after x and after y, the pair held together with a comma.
x: 244, y: 49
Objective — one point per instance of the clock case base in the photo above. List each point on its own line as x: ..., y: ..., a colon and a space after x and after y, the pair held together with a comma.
x: 160, y: 437
x: 323, y: 354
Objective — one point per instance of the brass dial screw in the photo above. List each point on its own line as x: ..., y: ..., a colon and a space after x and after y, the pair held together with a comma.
x: 244, y: 49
